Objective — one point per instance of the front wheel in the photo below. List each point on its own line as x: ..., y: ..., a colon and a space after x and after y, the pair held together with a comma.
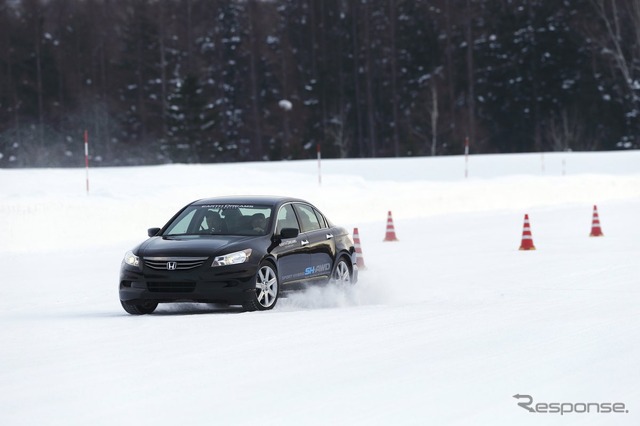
x: 342, y: 273
x: 265, y: 294
x: 140, y: 308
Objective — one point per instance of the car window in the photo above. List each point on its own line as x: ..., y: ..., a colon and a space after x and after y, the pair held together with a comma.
x: 256, y: 219
x: 222, y: 219
x: 244, y: 219
x: 321, y: 219
x: 286, y: 218
x: 181, y: 224
x: 308, y: 219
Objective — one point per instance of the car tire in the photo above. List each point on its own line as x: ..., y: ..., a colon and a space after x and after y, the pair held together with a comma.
x: 267, y: 289
x: 342, y: 273
x: 139, y: 308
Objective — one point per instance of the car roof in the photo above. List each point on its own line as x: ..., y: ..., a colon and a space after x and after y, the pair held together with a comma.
x: 248, y: 199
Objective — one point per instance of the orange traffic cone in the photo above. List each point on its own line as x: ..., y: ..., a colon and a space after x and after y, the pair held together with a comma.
x: 527, y: 240
x: 356, y: 243
x: 391, y: 232
x: 596, y: 231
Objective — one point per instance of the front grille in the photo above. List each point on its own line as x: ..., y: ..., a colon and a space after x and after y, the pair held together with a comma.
x: 181, y: 263
x: 157, y: 287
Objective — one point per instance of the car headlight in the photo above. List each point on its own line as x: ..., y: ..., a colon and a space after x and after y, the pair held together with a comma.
x: 131, y: 259
x: 232, y: 258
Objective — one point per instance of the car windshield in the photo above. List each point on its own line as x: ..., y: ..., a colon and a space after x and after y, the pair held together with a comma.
x: 221, y: 219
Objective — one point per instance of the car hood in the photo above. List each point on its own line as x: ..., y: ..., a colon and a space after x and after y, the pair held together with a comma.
x: 190, y: 245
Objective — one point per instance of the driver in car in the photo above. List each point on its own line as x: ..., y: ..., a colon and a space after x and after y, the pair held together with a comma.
x: 258, y: 222
x: 214, y: 222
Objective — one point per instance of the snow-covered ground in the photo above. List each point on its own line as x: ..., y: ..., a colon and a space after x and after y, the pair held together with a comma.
x: 445, y: 326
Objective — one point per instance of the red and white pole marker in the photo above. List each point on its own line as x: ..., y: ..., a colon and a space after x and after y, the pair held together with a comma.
x: 466, y: 157
x: 319, y: 165
x: 86, y: 156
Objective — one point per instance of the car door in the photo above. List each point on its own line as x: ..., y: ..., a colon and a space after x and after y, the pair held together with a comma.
x: 321, y: 245
x: 292, y: 254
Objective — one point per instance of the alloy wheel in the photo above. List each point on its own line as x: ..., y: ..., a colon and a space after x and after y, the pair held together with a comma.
x: 342, y: 274
x: 266, y: 286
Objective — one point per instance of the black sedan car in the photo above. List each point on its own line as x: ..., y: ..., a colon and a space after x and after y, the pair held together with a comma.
x: 238, y: 251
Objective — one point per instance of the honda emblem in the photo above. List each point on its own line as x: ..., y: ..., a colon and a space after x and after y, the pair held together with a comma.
x: 172, y: 266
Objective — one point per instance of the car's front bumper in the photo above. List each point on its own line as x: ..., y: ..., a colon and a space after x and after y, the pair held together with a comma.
x: 229, y: 284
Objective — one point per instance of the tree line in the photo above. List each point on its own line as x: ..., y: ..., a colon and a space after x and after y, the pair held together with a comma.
x: 156, y: 81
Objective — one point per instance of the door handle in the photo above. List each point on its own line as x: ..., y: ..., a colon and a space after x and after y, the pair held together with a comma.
x: 329, y: 236
x: 304, y: 242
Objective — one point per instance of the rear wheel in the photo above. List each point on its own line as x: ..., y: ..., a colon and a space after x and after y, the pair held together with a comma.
x: 342, y: 273
x: 139, y: 308
x: 265, y: 294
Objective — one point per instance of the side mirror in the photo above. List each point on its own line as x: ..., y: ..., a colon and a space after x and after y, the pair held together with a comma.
x: 152, y: 232
x: 287, y: 233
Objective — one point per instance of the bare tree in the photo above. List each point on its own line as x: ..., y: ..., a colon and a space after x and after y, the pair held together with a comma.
x: 356, y: 79
x: 620, y: 45
x: 471, y: 96
x: 163, y: 65
x: 337, y: 131
x: 451, y: 77
x: 433, y: 112
x: 567, y: 131
x: 368, y: 46
x: 36, y: 15
x: 615, y: 45
x: 394, y: 76
x: 254, y: 58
